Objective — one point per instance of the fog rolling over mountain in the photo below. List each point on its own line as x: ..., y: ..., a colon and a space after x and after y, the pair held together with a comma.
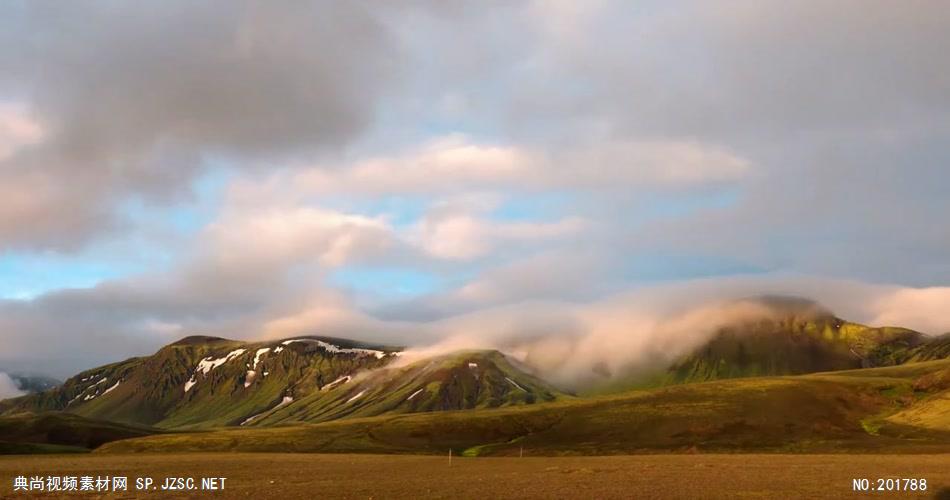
x: 16, y: 384
x: 8, y: 387
x: 201, y: 382
x: 623, y: 342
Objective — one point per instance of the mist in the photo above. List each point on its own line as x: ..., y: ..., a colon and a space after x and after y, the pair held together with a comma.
x: 583, y: 345
x: 8, y: 387
x: 576, y: 345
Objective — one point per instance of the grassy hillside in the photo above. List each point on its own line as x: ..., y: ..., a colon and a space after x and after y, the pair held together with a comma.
x: 932, y: 413
x: 934, y: 348
x: 60, y: 433
x: 845, y: 411
x: 460, y: 381
x: 792, y: 346
x: 210, y: 382
x: 205, y: 381
x: 794, y: 337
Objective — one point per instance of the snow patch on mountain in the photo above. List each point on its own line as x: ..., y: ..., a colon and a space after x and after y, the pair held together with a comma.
x: 258, y: 354
x: 340, y: 381
x: 207, y: 364
x: 284, y: 402
x: 107, y: 391
x: 354, y: 398
x: 515, y: 384
x: 337, y: 349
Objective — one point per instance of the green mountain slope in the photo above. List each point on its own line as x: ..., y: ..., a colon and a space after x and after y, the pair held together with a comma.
x: 860, y: 410
x: 798, y: 337
x: 460, y: 381
x: 203, y: 382
x: 934, y: 348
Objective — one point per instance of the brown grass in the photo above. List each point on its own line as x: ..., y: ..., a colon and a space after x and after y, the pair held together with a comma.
x: 290, y: 476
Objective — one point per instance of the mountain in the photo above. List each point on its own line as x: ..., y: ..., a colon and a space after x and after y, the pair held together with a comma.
x: 207, y: 381
x: 899, y: 409
x: 459, y: 381
x: 203, y: 382
x: 798, y: 336
x: 934, y: 348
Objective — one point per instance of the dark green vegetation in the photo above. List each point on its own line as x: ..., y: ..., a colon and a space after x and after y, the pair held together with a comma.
x: 796, y: 337
x: 462, y: 381
x: 289, y: 476
x: 862, y: 410
x: 60, y: 433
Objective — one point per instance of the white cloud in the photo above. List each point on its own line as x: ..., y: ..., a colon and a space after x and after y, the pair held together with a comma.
x: 465, y: 236
x: 456, y: 163
x: 17, y: 129
x: 279, y: 235
x: 923, y: 309
x: 653, y: 325
x: 134, y: 102
x: 8, y: 388
x: 828, y: 131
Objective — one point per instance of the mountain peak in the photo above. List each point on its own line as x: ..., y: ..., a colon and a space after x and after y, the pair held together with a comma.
x: 198, y: 339
x: 791, y: 305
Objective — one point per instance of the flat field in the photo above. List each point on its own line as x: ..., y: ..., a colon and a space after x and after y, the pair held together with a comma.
x: 306, y: 476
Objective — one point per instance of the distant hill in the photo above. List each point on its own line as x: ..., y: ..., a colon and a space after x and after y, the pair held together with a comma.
x: 58, y: 432
x: 798, y: 337
x: 934, y: 348
x: 201, y: 382
x: 207, y: 381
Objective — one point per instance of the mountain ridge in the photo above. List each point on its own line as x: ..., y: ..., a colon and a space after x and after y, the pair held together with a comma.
x: 200, y: 382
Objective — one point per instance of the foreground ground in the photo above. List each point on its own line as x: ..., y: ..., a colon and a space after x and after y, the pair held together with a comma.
x: 291, y: 476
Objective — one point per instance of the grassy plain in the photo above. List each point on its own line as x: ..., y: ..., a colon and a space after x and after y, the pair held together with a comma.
x: 306, y: 476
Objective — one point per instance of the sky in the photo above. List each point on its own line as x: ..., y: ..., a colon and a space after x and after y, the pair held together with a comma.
x: 406, y: 171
